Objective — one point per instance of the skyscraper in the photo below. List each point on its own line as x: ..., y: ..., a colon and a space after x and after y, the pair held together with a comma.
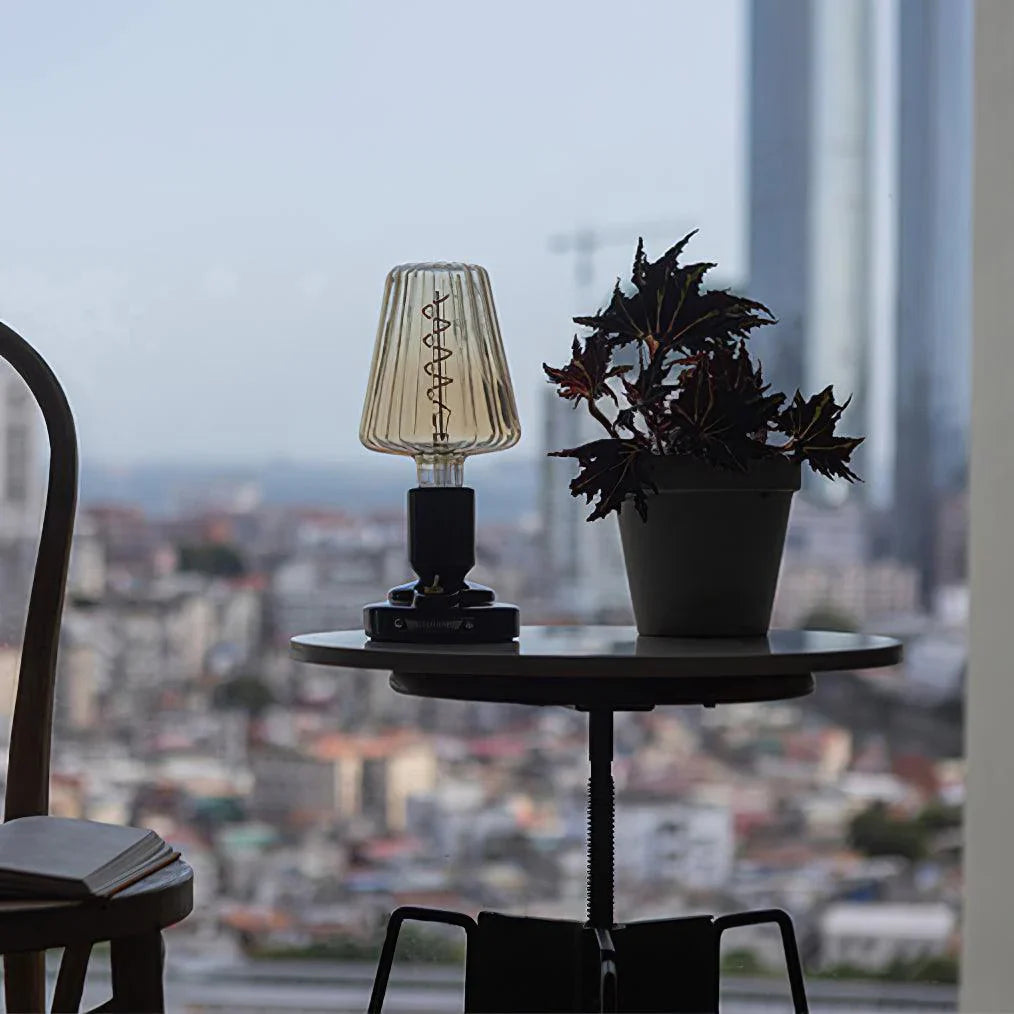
x: 818, y: 174
x: 860, y: 204
x: 934, y: 268
x: 20, y: 503
x: 781, y: 126
x: 19, y: 479
x: 560, y: 513
x: 583, y: 560
x: 837, y: 347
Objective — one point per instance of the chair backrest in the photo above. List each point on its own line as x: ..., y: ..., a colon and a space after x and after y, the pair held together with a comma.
x: 32, y: 727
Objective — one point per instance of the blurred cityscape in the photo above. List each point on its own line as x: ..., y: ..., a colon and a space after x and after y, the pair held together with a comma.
x: 310, y: 802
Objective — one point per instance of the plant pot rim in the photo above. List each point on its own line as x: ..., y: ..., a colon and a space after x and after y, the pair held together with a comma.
x: 682, y: 473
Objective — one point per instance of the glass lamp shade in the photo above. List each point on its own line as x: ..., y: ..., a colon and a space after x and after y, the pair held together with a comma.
x: 439, y: 386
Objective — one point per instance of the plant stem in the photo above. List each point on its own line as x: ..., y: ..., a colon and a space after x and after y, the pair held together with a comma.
x: 596, y: 414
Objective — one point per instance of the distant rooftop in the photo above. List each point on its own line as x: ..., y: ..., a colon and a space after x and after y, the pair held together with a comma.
x: 921, y: 921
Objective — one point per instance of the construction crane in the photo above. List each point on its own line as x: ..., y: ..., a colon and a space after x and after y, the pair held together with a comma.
x: 583, y: 243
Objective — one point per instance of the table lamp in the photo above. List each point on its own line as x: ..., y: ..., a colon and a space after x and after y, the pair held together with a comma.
x: 439, y: 390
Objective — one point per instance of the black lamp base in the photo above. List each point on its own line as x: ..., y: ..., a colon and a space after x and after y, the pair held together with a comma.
x: 441, y: 607
x: 493, y: 623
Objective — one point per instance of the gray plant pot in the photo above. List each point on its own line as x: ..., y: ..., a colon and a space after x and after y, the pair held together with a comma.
x: 705, y: 563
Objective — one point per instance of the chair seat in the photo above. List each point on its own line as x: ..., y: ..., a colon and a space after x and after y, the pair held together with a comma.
x: 152, y: 904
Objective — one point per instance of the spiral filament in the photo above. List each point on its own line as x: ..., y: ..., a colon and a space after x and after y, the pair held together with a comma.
x: 435, y: 370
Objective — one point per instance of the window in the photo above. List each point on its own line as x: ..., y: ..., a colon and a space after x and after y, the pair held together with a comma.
x: 200, y: 253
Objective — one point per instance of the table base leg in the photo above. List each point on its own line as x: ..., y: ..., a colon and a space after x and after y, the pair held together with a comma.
x: 518, y: 965
x: 601, y: 820
x: 399, y: 916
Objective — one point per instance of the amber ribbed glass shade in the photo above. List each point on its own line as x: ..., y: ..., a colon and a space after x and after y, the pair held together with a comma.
x: 439, y: 386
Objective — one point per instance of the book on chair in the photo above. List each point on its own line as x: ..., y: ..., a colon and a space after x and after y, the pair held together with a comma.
x: 60, y: 858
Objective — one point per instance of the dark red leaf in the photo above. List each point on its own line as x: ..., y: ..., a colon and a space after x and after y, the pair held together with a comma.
x: 810, y: 425
x: 587, y: 373
x: 611, y: 472
x: 723, y: 410
x: 668, y: 310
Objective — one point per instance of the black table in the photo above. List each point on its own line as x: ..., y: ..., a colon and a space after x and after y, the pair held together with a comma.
x: 523, y: 964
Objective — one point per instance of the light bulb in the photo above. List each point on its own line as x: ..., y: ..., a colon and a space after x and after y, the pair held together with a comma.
x: 439, y: 387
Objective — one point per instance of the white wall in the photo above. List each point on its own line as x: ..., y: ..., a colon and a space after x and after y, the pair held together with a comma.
x: 987, y: 970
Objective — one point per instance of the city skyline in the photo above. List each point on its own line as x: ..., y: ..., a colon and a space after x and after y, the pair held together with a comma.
x: 860, y: 218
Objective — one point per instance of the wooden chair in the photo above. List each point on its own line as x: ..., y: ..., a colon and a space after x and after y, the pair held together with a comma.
x: 132, y: 920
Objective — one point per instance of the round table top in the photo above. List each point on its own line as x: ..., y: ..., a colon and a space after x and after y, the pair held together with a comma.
x: 602, y: 666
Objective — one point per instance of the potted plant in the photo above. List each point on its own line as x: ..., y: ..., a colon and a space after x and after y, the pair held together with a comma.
x: 700, y: 458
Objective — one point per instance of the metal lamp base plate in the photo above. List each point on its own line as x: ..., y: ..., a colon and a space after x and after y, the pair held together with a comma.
x: 485, y: 624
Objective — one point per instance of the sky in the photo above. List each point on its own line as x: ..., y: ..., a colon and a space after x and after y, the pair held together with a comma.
x: 199, y: 201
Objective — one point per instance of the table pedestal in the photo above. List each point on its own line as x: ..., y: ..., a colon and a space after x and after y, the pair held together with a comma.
x: 516, y: 964
x: 525, y: 965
